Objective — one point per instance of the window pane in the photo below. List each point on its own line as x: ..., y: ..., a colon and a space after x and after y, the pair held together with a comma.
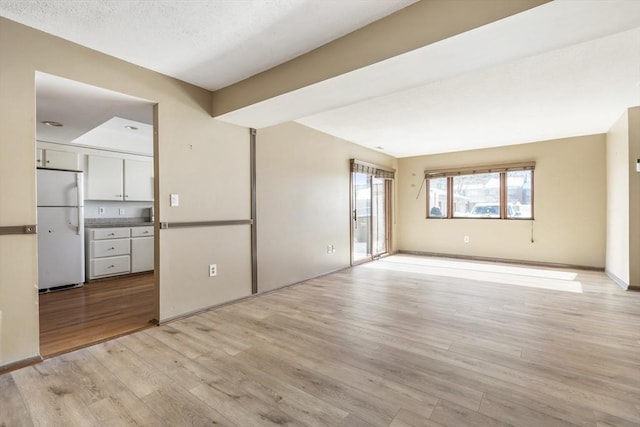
x: 437, y: 206
x: 378, y: 217
x: 519, y: 194
x: 476, y: 196
x: 361, y: 193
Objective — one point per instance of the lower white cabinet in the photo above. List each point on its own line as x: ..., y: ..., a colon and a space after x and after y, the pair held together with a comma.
x: 108, y: 248
x: 141, y: 249
x: 141, y: 254
x: 118, y: 250
x: 102, y: 267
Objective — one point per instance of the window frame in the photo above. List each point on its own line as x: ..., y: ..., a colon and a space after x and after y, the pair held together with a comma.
x: 502, y: 169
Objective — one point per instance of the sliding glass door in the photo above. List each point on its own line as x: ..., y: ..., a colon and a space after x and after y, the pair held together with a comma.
x: 361, y: 219
x: 378, y: 217
x: 370, y: 213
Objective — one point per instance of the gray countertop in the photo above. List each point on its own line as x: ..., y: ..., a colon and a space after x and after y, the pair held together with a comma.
x: 118, y: 223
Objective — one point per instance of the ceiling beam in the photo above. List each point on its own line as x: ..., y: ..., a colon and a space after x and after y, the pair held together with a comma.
x: 418, y: 25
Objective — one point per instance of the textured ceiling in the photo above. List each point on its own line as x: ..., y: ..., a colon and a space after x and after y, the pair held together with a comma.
x: 566, y: 68
x: 210, y: 43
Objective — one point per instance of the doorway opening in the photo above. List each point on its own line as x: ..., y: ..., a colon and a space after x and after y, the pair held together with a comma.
x: 96, y: 214
x: 371, y: 188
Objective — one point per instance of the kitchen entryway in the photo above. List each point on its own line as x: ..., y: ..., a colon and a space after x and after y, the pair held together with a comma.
x: 99, y: 311
x: 96, y: 250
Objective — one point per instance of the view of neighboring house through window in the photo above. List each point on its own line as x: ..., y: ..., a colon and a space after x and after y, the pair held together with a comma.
x: 438, y: 191
x: 519, y: 195
x: 499, y: 192
x: 476, y: 195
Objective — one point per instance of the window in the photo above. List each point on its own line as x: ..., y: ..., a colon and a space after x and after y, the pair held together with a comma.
x: 519, y: 194
x: 438, y: 195
x: 499, y: 192
x: 476, y: 195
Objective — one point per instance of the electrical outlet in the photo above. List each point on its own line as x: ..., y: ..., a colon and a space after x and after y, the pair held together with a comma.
x: 213, y: 270
x: 121, y: 211
x: 101, y: 210
x: 174, y: 200
x: 333, y: 249
x: 328, y: 249
x: 466, y: 239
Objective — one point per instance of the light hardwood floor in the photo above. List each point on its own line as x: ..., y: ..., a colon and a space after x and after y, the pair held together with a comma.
x: 382, y: 344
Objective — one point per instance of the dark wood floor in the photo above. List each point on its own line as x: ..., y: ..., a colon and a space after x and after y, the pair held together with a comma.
x: 391, y: 343
x: 101, y: 310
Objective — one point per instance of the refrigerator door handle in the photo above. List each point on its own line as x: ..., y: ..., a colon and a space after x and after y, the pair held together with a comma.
x: 80, y: 227
x: 80, y: 190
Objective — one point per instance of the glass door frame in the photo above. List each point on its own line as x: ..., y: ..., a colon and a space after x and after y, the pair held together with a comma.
x: 387, y: 210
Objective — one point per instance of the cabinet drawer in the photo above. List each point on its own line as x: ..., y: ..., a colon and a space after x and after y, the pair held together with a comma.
x: 112, y: 247
x: 109, y: 266
x: 110, y: 233
x: 142, y: 231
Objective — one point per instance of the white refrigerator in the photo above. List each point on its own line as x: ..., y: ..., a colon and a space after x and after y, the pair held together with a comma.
x: 60, y: 228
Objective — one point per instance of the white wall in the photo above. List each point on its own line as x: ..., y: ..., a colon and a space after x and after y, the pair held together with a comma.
x: 634, y: 198
x: 112, y: 209
x: 617, y: 263
x: 623, y: 200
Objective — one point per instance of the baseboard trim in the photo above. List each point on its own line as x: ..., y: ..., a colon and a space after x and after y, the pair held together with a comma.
x: 233, y: 301
x: 201, y: 310
x: 4, y: 369
x: 503, y: 260
x: 306, y: 280
x: 624, y: 285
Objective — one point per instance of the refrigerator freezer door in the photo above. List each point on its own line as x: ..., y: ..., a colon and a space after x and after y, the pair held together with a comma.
x: 59, y: 188
x: 60, y: 247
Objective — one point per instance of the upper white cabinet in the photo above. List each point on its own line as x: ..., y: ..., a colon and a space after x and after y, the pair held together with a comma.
x: 112, y: 178
x: 55, y: 159
x: 138, y: 180
x: 104, y: 178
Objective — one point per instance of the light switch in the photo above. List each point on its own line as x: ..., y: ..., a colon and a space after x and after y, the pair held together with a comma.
x: 175, y: 200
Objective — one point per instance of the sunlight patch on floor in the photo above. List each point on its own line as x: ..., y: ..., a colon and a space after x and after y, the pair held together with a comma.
x: 484, y: 272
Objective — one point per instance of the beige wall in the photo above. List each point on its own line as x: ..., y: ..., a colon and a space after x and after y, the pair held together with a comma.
x: 623, y: 199
x: 203, y: 160
x: 569, y: 226
x: 303, y: 202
